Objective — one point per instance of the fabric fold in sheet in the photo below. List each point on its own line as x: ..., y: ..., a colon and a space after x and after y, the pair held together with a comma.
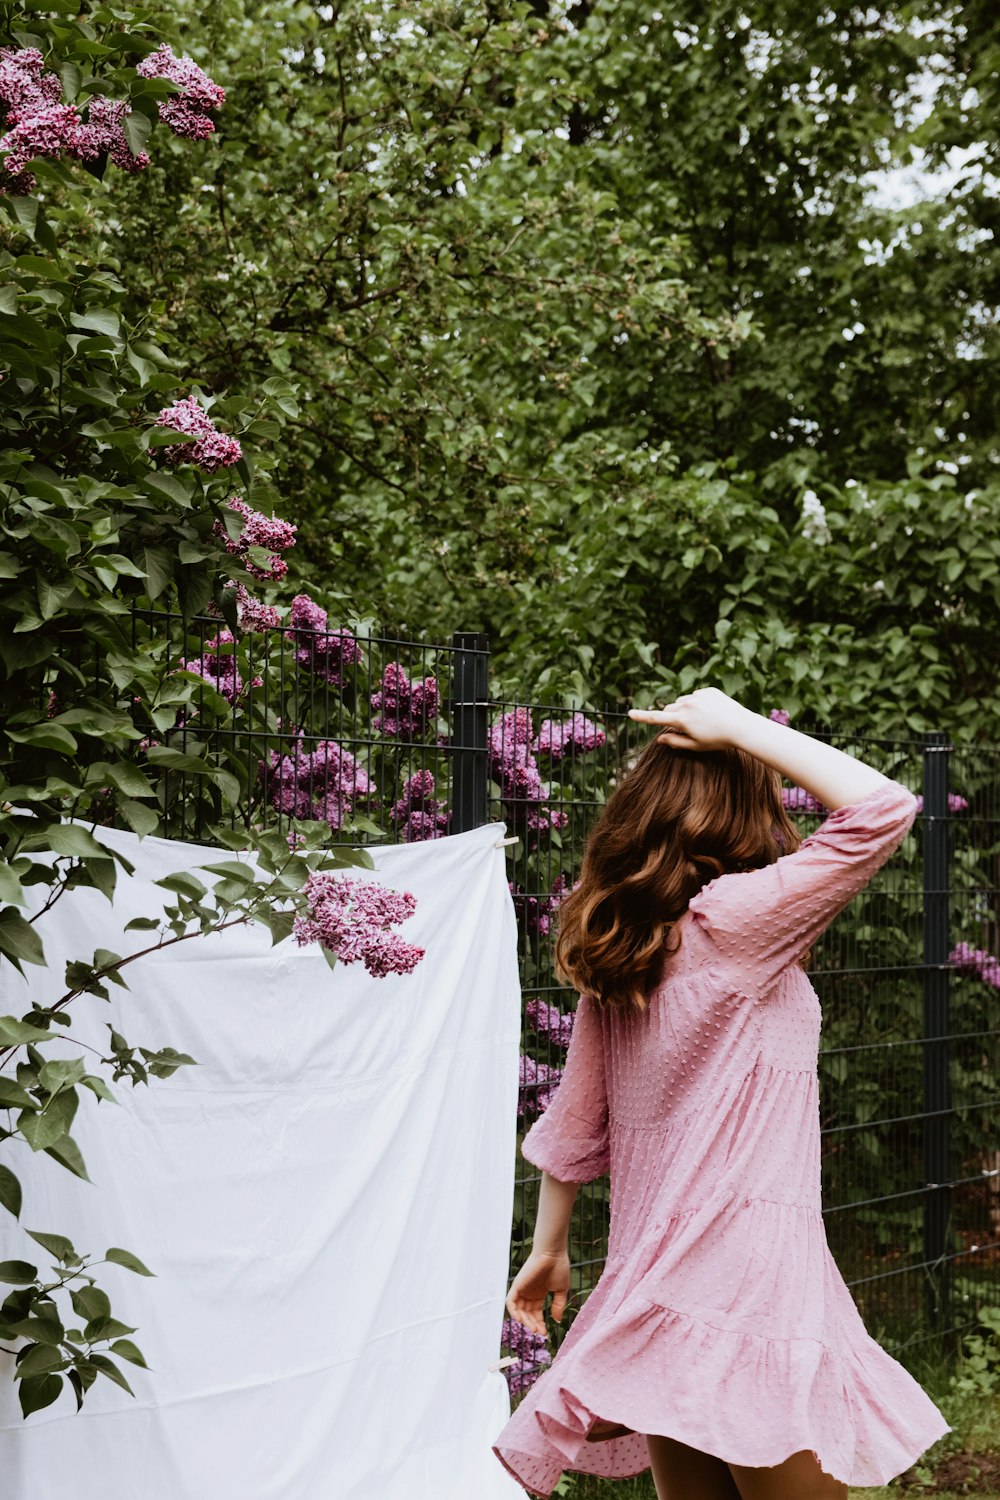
x: 325, y: 1201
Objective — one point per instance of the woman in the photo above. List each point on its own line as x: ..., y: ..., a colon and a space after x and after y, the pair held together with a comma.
x: 721, y: 1347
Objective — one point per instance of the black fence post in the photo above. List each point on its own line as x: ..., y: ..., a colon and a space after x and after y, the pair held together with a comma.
x: 937, y: 981
x: 469, y: 729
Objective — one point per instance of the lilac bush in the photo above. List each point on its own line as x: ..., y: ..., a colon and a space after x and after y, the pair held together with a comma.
x: 218, y: 667
x: 352, y: 919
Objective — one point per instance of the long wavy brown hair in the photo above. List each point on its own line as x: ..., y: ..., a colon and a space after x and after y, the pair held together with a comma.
x: 676, y: 820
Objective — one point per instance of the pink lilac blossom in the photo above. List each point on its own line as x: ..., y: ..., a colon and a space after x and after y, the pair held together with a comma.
x: 104, y: 131
x: 977, y: 961
x: 408, y: 708
x: 25, y: 87
x: 53, y: 131
x: 549, y: 1021
x: 538, y: 1082
x: 797, y: 799
x: 513, y: 767
x: 251, y: 614
x: 354, y: 919
x: 189, y: 112
x: 421, y: 814
x: 535, y: 912
x: 323, y: 783
x: 780, y: 716
x: 577, y: 733
x: 206, y: 447
x: 956, y: 803
x: 326, y: 653
x: 269, y: 533
x: 218, y: 667
x: 532, y: 1355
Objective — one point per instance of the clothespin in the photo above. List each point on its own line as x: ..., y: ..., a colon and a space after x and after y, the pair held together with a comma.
x: 503, y: 843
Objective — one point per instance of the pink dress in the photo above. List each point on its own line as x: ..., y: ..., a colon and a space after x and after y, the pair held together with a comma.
x: 720, y: 1318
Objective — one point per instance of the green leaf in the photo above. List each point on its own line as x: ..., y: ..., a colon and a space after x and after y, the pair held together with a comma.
x: 47, y: 736
x: 177, y: 760
x: 67, y: 1153
x: 98, y: 320
x: 60, y: 1071
x: 39, y: 1358
x: 143, y: 924
x: 141, y: 819
x: 137, y: 129
x: 97, y: 1086
x: 44, y: 1127
x: 20, y: 1032
x: 159, y: 568
x: 128, y: 1350
x: 13, y: 1096
x: 10, y: 1192
x: 128, y: 1260
x: 111, y: 1370
x: 38, y: 1392
x: 91, y: 1302
x: 70, y: 839
x: 19, y: 940
x: 56, y: 1244
x: 18, y: 1273
x: 183, y: 884
x: 233, y: 870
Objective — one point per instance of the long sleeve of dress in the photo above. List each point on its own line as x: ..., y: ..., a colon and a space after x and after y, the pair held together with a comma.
x: 762, y: 921
x: 570, y: 1140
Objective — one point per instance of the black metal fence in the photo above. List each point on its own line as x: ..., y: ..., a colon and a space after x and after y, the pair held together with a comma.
x: 386, y: 738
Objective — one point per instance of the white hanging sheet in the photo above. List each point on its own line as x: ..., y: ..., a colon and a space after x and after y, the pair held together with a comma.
x: 325, y: 1201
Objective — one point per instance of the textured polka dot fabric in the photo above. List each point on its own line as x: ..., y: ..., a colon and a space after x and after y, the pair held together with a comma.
x: 721, y: 1318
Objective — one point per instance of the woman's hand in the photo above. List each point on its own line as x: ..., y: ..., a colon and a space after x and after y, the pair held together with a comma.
x: 541, y: 1273
x: 703, y: 720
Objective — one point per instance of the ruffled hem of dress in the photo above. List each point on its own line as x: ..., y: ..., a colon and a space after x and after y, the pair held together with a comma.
x: 860, y: 1412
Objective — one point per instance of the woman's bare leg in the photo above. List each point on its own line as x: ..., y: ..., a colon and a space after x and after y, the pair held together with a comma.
x: 798, y: 1478
x: 683, y: 1473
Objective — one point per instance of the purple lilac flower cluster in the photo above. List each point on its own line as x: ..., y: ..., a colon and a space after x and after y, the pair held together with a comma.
x: 780, y: 715
x: 797, y: 799
x: 325, y: 653
x: 956, y: 803
x: 218, y: 667
x: 418, y: 810
x: 323, y: 783
x: 983, y: 965
x: 39, y: 124
x: 536, y: 912
x: 189, y: 112
x: 551, y: 1022
x: 532, y: 1354
x: 206, y: 446
x: 354, y: 919
x: 251, y: 614
x: 577, y: 734
x: 269, y: 533
x: 513, y: 767
x: 538, y: 1082
x: 407, y: 708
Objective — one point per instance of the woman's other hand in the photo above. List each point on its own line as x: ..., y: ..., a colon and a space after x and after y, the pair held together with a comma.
x: 542, y: 1272
x: 703, y: 720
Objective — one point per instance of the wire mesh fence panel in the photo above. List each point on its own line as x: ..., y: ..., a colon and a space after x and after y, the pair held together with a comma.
x: 379, y: 738
x: 360, y: 732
